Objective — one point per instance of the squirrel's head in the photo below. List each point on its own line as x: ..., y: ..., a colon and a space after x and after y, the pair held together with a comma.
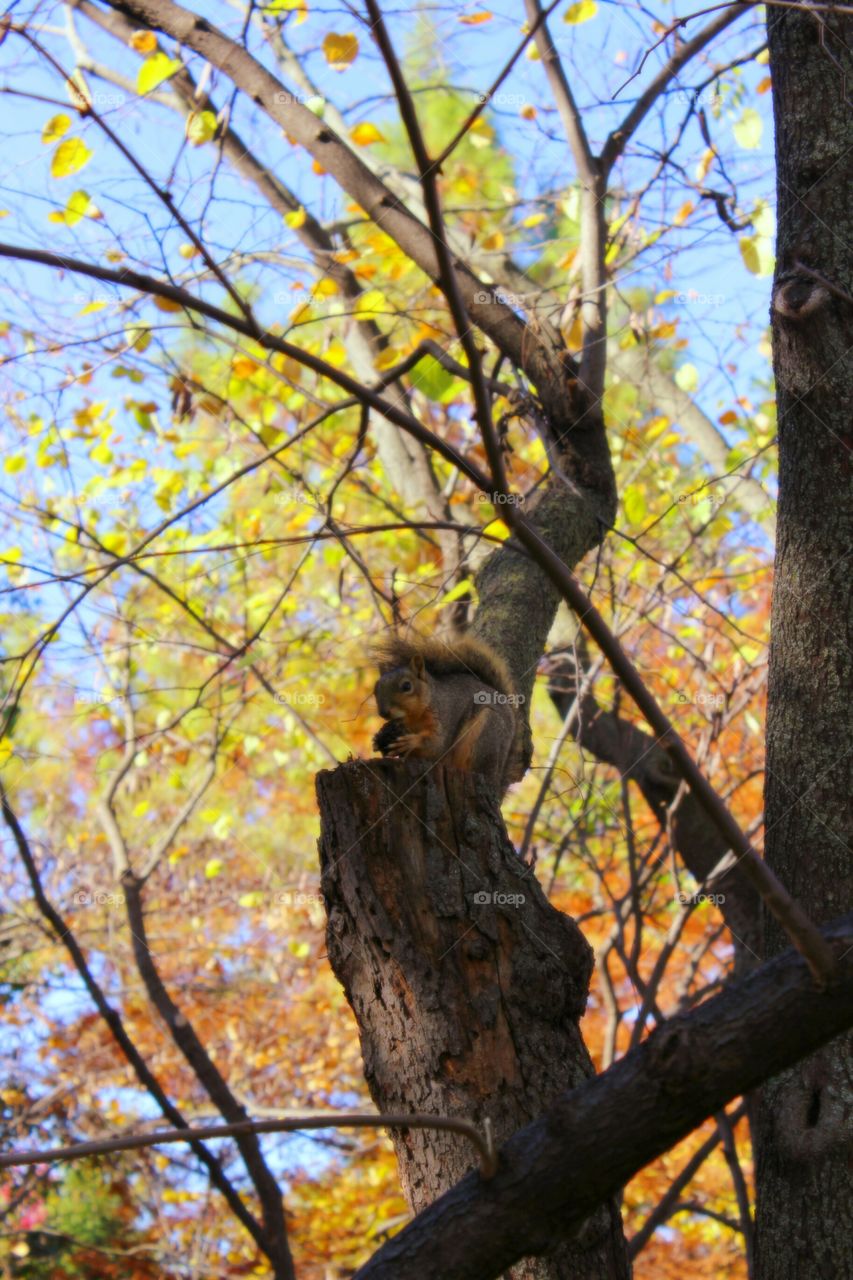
x: 402, y: 690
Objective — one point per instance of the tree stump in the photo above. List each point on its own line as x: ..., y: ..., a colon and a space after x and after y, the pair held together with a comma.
x: 467, y: 985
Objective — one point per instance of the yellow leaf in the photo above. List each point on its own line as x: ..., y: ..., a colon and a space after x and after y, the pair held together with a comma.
x: 14, y: 464
x: 296, y: 218
x: 340, y: 50
x: 80, y: 205
x: 748, y: 129
x: 201, y: 127
x: 55, y: 128
x: 325, y: 288
x: 143, y: 41
x: 365, y: 133
x: 533, y: 220
x: 69, y: 156
x: 580, y: 12
x: 764, y: 85
x: 299, y: 6
x: 754, y: 260
x: 213, y: 868
x: 167, y: 304
x: 683, y: 213
x: 528, y: 112
x: 726, y: 419
x: 371, y: 303
x: 155, y: 70
x: 763, y: 57
x: 243, y: 367
x: 101, y: 453
x: 474, y: 19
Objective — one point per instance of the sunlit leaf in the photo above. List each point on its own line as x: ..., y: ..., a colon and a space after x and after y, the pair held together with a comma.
x: 143, y: 41
x: 155, y: 70
x: 340, y: 50
x: 365, y: 133
x: 580, y: 12
x: 201, y: 127
x: 749, y: 129
x: 69, y: 157
x: 55, y: 128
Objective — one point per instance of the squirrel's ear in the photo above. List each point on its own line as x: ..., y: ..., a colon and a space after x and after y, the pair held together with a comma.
x: 417, y: 665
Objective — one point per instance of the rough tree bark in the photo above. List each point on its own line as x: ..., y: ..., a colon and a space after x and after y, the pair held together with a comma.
x: 466, y: 983
x: 804, y: 1170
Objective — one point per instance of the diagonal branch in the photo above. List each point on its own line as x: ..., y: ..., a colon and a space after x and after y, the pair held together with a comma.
x: 530, y: 351
x: 585, y: 1147
x: 619, y: 138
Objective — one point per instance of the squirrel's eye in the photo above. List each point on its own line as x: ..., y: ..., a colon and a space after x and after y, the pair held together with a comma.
x: 406, y: 686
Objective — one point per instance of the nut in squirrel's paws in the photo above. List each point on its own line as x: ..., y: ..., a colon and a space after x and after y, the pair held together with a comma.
x: 385, y: 739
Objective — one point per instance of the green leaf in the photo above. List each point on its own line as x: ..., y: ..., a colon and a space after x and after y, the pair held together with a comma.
x: 634, y: 504
x: 155, y: 70
x: 429, y: 377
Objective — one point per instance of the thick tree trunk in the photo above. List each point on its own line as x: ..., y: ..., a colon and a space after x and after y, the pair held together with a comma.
x: 466, y: 983
x: 804, y: 1224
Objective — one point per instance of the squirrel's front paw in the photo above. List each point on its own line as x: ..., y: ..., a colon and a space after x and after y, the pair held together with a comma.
x: 407, y: 743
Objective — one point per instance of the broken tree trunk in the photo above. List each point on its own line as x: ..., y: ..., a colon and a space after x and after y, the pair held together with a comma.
x: 467, y: 985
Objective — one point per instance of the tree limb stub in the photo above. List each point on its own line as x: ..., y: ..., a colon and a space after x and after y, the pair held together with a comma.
x: 467, y: 984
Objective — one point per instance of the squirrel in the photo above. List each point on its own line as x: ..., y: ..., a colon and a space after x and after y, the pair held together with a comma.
x: 450, y: 700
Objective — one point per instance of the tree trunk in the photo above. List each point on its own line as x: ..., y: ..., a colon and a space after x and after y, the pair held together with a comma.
x: 466, y: 983
x: 804, y: 1225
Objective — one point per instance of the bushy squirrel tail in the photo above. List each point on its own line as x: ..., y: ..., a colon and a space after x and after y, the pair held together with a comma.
x: 462, y: 654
